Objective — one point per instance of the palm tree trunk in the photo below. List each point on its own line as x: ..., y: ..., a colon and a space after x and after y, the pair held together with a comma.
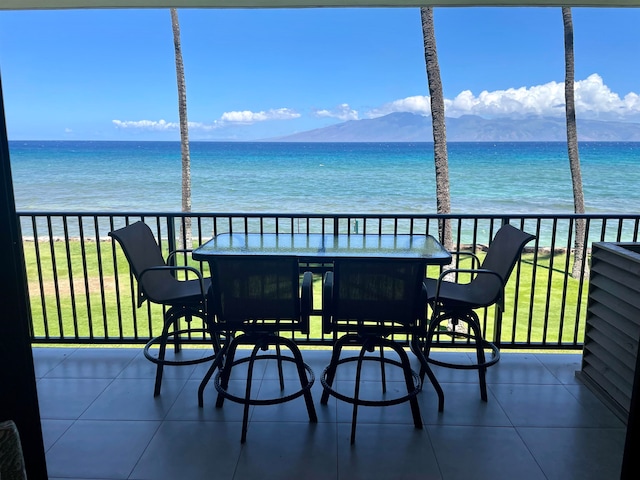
x: 441, y: 160
x: 572, y: 146
x: 443, y: 196
x: 185, y: 227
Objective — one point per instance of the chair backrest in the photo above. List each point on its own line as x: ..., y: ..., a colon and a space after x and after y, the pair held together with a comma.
x: 262, y: 290
x: 503, y: 254
x: 377, y: 291
x: 142, y: 252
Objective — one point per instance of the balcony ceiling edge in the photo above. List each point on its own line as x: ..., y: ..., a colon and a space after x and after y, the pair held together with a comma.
x: 71, y: 4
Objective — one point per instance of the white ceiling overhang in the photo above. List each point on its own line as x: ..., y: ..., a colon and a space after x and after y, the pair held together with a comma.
x: 60, y: 4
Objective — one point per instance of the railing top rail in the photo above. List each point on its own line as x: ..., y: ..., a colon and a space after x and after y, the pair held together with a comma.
x: 469, y: 216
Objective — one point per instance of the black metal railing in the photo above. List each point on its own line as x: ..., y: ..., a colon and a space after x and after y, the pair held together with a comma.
x: 82, y: 291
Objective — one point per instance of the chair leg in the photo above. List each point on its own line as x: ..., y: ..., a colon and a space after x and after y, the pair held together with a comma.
x: 482, y: 371
x: 426, y: 369
x: 247, y: 395
x: 383, y: 373
x: 169, y: 320
x: 170, y: 334
x: 333, y: 365
x: 431, y: 331
x: 225, y: 373
x: 302, y: 374
x: 217, y: 363
x: 408, y: 379
x: 177, y: 346
x: 260, y: 341
x: 279, y: 361
x: 215, y: 341
x: 356, y: 394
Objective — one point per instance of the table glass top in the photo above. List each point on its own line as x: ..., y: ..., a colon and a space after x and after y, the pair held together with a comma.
x: 319, y: 246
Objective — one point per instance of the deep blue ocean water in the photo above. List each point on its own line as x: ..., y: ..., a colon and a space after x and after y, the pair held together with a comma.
x: 321, y: 177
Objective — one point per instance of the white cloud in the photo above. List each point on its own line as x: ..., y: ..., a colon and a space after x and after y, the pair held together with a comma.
x: 147, y: 124
x: 416, y: 104
x: 249, y: 117
x: 205, y: 126
x: 342, y: 112
x: 245, y: 117
x: 594, y: 100
x: 163, y: 125
x: 546, y: 100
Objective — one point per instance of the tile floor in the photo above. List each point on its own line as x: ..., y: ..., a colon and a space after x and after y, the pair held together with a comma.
x: 101, y: 421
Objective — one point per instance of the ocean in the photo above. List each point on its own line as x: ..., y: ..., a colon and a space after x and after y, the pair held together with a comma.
x: 320, y: 177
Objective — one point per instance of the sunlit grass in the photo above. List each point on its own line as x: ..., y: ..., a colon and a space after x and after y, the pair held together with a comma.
x: 68, y: 298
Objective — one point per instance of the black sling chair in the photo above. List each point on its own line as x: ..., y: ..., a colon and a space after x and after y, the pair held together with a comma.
x: 158, y: 284
x: 455, y: 302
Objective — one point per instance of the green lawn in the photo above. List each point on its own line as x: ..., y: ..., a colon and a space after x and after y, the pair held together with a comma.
x: 70, y: 296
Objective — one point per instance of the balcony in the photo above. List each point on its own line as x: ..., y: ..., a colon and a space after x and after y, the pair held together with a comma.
x: 101, y: 421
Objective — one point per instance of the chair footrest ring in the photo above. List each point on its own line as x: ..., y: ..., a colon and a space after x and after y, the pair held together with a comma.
x: 269, y: 401
x: 495, y: 353
x: 157, y: 339
x: 372, y: 403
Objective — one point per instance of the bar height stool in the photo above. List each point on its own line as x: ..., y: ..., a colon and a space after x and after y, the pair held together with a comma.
x: 157, y: 283
x: 370, y: 300
x: 456, y: 302
x: 260, y: 298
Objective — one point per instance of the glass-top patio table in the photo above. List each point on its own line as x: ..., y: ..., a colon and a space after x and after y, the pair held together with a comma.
x: 329, y: 250
x: 317, y: 247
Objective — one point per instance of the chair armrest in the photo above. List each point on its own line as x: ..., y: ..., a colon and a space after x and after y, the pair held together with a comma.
x: 172, y: 268
x: 327, y: 302
x: 172, y: 254
x: 476, y: 272
x: 475, y: 261
x: 306, y: 300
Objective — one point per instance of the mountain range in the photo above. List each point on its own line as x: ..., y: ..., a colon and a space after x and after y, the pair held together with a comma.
x: 409, y: 127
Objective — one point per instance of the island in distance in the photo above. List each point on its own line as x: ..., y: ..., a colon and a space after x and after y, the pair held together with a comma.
x: 409, y: 127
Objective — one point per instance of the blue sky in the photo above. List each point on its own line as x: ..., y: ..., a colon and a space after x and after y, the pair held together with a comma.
x: 253, y: 74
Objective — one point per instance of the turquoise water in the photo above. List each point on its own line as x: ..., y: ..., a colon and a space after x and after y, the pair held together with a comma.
x: 321, y: 177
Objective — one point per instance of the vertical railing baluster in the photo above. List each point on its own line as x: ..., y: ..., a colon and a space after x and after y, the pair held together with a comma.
x: 103, y: 301
x: 552, y: 255
x: 54, y: 268
x: 85, y: 275
x: 43, y: 298
x: 619, y: 233
x: 134, y: 296
x: 534, y: 275
x: 581, y: 283
x: 116, y: 280
x: 72, y: 292
x: 565, y: 280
